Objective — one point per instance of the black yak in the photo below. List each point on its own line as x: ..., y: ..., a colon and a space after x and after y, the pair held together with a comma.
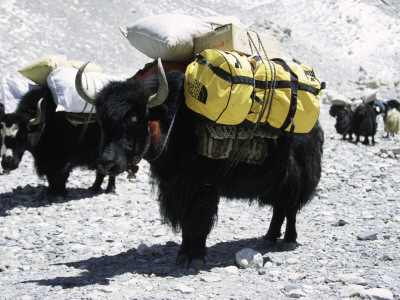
x: 2, y: 110
x: 364, y: 122
x: 56, y: 145
x: 344, y: 116
x: 190, y: 184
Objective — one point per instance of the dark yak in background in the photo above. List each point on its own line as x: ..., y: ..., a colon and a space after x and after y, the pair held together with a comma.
x: 2, y: 110
x: 364, y: 122
x: 189, y: 184
x: 1, y: 107
x: 344, y: 117
x: 53, y: 141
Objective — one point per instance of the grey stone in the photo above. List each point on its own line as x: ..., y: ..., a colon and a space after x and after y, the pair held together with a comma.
x: 248, y: 258
x: 297, y: 293
x: 145, y: 250
x: 367, y: 236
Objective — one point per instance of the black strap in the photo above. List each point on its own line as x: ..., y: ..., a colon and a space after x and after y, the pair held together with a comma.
x: 294, y: 86
x: 224, y: 74
x: 287, y: 84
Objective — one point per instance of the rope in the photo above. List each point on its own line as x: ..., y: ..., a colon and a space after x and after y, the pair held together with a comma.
x: 271, y: 88
x: 267, y: 100
x: 85, y: 125
x: 168, y: 132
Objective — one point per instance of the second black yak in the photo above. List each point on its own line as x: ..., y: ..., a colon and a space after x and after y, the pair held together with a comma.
x: 56, y: 145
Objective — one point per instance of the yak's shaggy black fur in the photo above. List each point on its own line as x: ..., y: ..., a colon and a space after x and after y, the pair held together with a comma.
x: 364, y: 123
x: 54, y: 143
x: 344, y: 117
x: 189, y: 184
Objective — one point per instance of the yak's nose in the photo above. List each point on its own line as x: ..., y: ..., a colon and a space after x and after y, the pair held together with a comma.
x: 108, y: 167
x: 9, y: 163
x: 105, y: 166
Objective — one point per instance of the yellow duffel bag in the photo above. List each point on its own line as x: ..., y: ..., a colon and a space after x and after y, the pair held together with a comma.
x: 229, y: 88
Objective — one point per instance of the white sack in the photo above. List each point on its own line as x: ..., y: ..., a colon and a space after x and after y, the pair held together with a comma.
x: 61, y: 82
x: 12, y: 89
x: 356, y: 104
x: 170, y: 36
x: 369, y: 96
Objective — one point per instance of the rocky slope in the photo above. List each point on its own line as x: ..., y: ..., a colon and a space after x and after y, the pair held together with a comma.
x: 116, y: 247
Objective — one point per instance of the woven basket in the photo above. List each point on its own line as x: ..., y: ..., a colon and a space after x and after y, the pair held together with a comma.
x: 243, y: 144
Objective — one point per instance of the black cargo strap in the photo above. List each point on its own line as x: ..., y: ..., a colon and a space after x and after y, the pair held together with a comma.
x: 287, y: 84
x: 227, y: 77
x: 224, y: 74
x: 294, y: 86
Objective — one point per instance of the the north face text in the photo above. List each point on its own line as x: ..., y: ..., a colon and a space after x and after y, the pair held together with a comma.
x: 198, y: 91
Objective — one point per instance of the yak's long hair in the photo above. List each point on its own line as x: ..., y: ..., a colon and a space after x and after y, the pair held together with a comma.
x: 392, y: 121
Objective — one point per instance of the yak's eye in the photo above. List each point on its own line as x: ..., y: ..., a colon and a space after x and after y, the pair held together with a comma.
x: 133, y: 120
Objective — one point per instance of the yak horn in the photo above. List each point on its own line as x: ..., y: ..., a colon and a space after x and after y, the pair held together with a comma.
x: 83, y: 92
x: 38, y: 119
x: 162, y: 93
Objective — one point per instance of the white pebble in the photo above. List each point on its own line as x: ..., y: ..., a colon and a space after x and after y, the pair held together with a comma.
x: 379, y: 293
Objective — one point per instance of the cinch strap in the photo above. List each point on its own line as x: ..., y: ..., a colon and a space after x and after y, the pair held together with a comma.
x: 224, y: 74
x: 294, y: 86
x: 287, y: 84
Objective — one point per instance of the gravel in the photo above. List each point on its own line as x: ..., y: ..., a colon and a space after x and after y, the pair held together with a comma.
x: 115, y: 246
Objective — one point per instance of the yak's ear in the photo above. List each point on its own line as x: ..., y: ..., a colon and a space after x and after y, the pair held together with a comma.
x: 156, y: 113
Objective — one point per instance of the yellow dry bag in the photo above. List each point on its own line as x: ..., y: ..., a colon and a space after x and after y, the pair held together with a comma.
x: 229, y: 88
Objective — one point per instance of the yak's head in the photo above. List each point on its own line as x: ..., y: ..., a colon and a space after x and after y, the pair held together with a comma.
x: 124, y: 112
x: 15, y: 129
x: 344, y: 117
x: 16, y: 134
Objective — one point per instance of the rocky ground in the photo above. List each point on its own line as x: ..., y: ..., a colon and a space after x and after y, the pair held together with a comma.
x: 94, y: 246
x: 116, y: 246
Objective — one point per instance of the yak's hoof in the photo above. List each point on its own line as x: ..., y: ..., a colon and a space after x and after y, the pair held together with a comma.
x: 57, y: 199
x: 196, y: 264
x: 94, y: 189
x: 110, y: 191
x: 289, y: 246
x: 182, y: 260
x: 185, y: 262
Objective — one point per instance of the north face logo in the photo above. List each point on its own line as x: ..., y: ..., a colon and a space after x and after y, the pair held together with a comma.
x: 198, y: 91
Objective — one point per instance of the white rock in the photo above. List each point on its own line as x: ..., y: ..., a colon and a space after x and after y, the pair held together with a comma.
x: 352, y: 290
x: 184, y: 289
x: 292, y: 261
x: 352, y: 279
x: 210, y: 278
x: 379, y: 293
x: 232, y: 270
x: 5, y: 261
x: 248, y: 258
x: 295, y: 276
